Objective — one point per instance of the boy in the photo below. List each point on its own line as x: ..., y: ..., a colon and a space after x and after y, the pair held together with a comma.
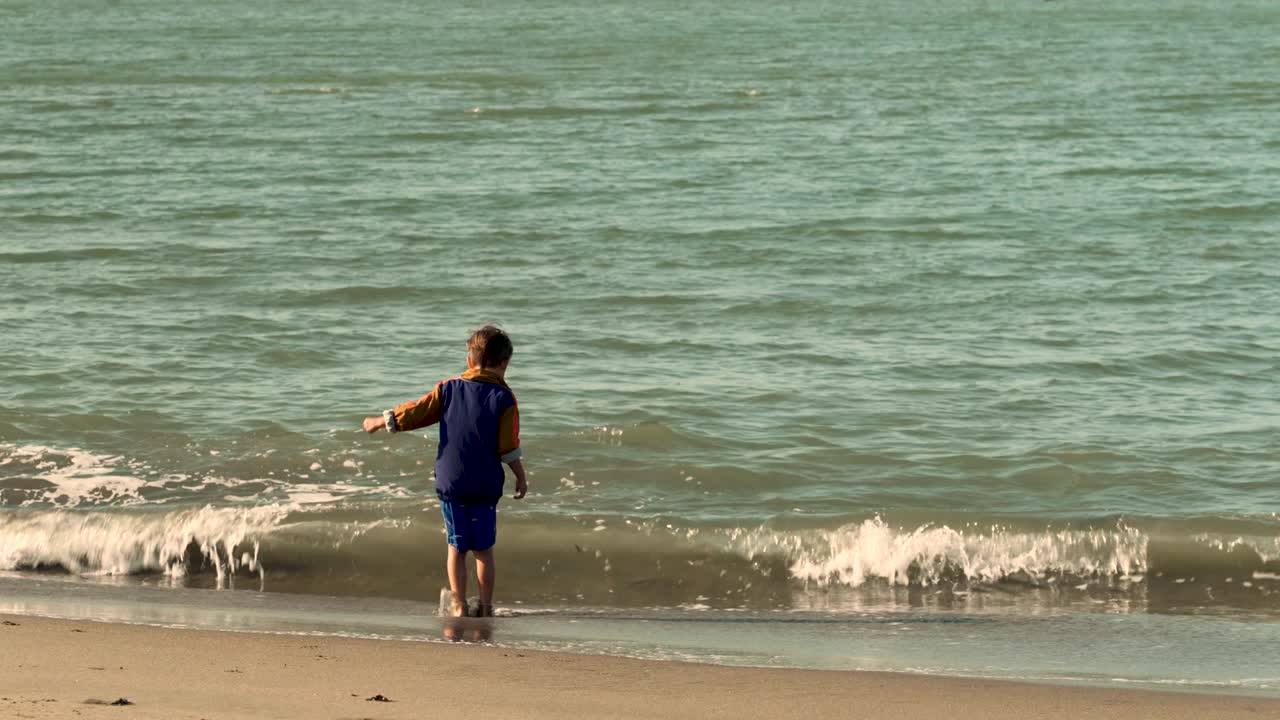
x: 479, y: 431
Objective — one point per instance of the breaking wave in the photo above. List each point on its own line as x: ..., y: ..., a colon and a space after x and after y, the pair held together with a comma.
x: 224, y: 539
x: 855, y: 554
x: 396, y: 551
x: 329, y: 521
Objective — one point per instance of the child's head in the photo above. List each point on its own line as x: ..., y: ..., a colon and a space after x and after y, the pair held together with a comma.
x: 489, y: 347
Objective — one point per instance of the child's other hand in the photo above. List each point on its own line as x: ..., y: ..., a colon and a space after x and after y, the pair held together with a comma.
x: 522, y: 488
x: 373, y: 424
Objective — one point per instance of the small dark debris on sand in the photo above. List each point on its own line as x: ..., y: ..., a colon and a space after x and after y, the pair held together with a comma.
x: 118, y: 701
x: 10, y: 623
x: 379, y: 698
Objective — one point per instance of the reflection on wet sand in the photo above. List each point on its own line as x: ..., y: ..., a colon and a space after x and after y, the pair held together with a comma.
x: 465, y: 629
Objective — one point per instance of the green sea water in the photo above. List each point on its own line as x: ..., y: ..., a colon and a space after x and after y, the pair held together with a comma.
x: 822, y: 307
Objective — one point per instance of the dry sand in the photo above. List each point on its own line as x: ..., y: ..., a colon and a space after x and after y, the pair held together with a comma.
x: 69, y: 669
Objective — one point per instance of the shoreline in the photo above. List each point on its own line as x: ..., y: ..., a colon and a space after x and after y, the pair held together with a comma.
x: 75, y: 669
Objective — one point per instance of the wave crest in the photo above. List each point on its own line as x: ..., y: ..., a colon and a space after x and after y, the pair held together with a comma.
x: 854, y: 554
x: 121, y: 544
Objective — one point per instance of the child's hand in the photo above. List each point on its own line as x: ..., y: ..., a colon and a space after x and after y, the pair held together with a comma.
x: 522, y: 488
x: 374, y: 423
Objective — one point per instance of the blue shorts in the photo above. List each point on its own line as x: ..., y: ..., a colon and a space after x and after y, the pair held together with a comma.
x: 471, y: 527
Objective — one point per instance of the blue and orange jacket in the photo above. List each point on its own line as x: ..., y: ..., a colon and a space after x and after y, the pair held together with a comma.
x: 479, y: 431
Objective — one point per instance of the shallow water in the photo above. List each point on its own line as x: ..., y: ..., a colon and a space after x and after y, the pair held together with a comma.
x: 1216, y: 655
x: 946, y: 307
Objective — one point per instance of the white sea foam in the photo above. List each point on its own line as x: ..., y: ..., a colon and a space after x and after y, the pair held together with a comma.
x: 322, y: 90
x: 75, y: 476
x: 854, y: 554
x: 113, y: 543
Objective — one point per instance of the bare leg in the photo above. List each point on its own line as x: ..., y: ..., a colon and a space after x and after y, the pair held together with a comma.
x: 458, y: 580
x: 486, y: 571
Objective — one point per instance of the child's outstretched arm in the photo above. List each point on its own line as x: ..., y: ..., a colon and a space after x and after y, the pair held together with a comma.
x: 419, y: 413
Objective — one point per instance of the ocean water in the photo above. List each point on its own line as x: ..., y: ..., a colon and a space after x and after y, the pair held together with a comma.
x: 923, y: 312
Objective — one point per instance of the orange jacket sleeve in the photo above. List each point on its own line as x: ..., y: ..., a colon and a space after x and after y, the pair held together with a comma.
x: 509, y: 435
x: 419, y: 413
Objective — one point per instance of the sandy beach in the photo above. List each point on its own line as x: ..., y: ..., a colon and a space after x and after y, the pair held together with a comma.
x: 73, y: 669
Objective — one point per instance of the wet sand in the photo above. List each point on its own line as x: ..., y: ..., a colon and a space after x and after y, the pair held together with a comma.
x: 75, y: 669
